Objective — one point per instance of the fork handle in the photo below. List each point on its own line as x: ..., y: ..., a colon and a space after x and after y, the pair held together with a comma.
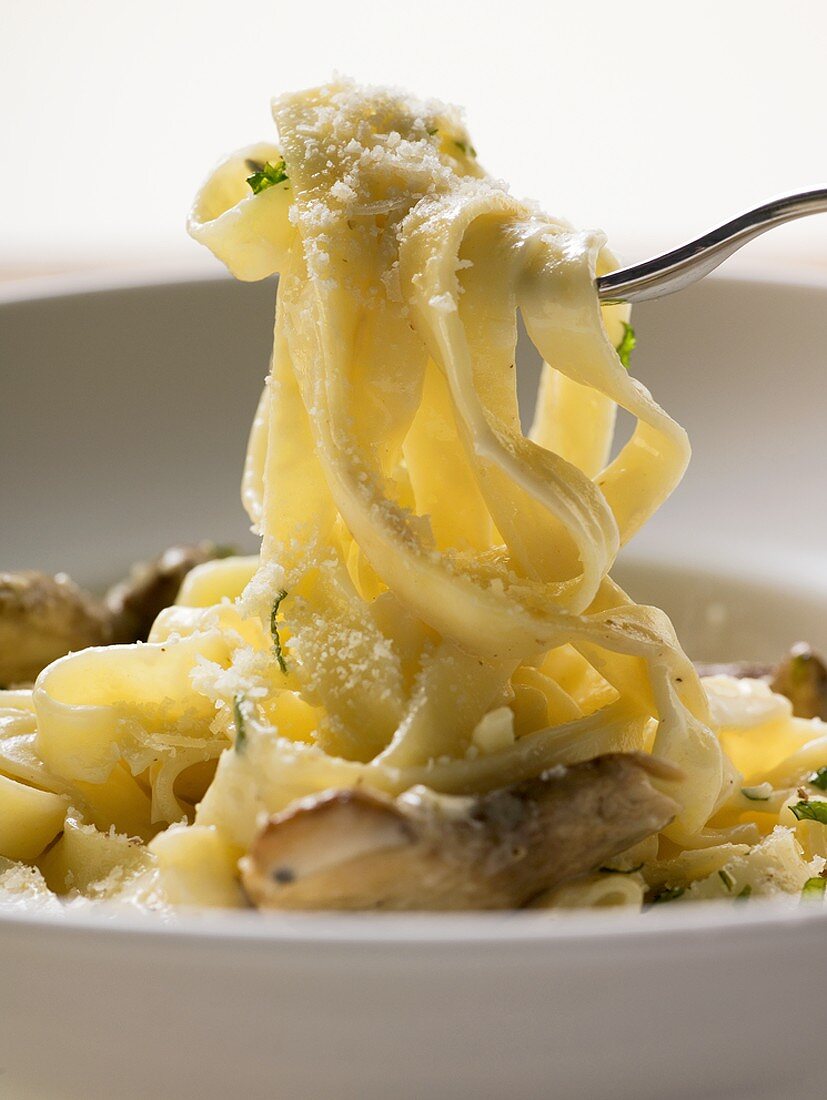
x: 685, y: 265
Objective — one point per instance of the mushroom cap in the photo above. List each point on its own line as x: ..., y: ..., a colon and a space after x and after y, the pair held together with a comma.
x: 359, y: 849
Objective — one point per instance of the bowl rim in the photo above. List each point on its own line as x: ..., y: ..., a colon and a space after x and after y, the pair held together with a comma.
x: 246, y: 928
x: 98, y: 280
x: 763, y: 919
x: 34, y: 288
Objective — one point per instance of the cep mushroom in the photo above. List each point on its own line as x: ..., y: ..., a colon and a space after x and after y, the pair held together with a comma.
x: 135, y: 603
x: 802, y: 677
x: 354, y: 849
x: 41, y: 618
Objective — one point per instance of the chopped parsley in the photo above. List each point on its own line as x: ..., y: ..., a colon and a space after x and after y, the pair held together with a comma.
x: 274, y: 630
x: 435, y: 130
x: 240, y: 724
x: 627, y: 344
x: 745, y: 893
x: 811, y: 811
x: 819, y: 778
x: 668, y: 893
x: 466, y: 149
x: 727, y: 879
x: 813, y: 889
x: 266, y: 175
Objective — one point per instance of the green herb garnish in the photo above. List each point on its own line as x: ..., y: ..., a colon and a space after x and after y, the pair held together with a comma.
x: 813, y: 889
x: 434, y: 131
x: 727, y: 879
x: 466, y: 149
x: 745, y: 893
x: 669, y: 893
x: 819, y: 778
x: 240, y: 725
x: 268, y: 175
x: 811, y: 811
x: 627, y: 344
x: 274, y: 630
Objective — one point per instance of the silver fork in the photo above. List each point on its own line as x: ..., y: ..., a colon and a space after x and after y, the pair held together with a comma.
x: 677, y: 269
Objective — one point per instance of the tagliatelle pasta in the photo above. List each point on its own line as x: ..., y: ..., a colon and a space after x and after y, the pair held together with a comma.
x: 432, y: 603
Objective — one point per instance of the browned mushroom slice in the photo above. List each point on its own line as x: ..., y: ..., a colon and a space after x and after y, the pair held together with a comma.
x: 41, y: 619
x: 136, y: 602
x: 802, y: 677
x: 359, y: 850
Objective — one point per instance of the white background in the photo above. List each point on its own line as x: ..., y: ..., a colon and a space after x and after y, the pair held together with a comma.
x: 651, y: 119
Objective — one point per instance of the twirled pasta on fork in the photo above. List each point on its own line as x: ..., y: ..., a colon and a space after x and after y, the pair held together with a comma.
x: 432, y: 608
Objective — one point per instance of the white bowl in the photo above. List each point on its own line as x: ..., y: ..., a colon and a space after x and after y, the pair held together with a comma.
x: 125, y: 413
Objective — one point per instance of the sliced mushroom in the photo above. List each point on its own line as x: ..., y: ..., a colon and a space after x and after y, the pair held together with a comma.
x: 44, y: 617
x: 41, y: 619
x: 802, y: 677
x: 355, y: 849
x: 135, y: 603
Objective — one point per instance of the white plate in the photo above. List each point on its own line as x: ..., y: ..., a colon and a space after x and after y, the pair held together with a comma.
x: 124, y: 418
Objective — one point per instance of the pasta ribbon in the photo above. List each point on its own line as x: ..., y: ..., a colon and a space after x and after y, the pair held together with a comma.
x: 395, y: 468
